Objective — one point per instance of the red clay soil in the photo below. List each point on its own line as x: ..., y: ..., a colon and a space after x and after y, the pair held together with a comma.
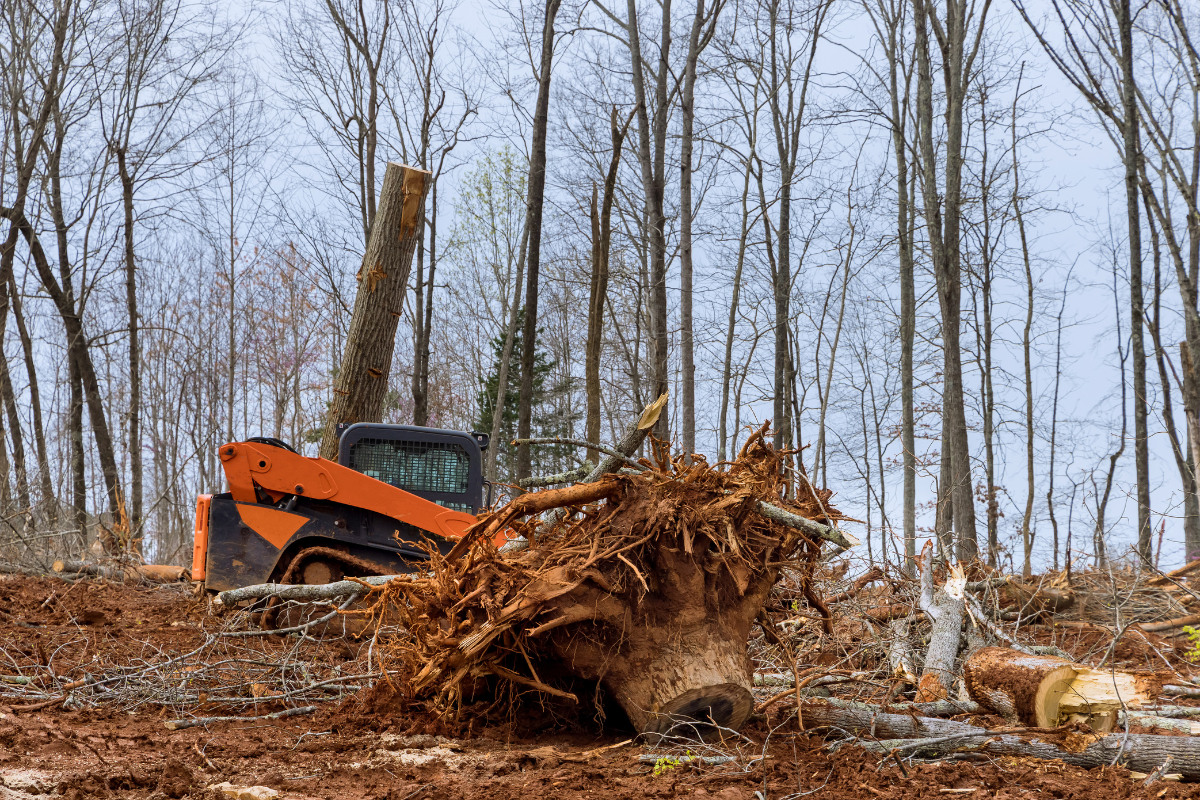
x: 365, y: 748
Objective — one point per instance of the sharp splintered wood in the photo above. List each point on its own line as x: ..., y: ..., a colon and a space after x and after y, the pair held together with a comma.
x: 180, y: 724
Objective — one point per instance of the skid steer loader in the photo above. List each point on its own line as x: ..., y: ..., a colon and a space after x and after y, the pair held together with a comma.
x: 292, y: 519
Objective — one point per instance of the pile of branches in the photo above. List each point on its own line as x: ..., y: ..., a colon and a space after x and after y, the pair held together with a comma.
x: 660, y: 542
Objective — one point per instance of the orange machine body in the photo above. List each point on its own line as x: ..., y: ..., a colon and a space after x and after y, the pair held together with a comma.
x: 281, y: 472
x: 283, y: 507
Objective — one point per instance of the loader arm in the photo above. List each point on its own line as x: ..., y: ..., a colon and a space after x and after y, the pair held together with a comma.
x: 250, y: 466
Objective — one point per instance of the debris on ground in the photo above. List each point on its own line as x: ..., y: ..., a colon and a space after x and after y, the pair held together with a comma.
x: 552, y: 666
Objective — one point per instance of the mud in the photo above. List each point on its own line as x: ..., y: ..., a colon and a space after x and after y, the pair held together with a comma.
x: 370, y: 746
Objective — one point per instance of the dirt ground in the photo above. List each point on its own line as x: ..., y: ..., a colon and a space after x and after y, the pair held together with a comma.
x: 353, y: 746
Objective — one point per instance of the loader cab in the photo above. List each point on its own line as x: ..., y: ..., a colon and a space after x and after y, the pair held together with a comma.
x: 443, y: 466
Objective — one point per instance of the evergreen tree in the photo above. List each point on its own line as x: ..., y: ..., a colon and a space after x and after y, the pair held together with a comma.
x: 547, y: 419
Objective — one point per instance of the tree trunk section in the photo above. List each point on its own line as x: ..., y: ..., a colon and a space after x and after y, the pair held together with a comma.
x: 1141, y: 752
x: 362, y: 380
x: 1045, y: 692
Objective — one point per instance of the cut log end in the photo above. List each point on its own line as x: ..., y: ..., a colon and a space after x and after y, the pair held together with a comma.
x: 1045, y: 691
x: 703, y: 710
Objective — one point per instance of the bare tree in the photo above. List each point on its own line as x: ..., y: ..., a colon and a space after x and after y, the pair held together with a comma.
x: 958, y: 47
x: 601, y: 223
x: 1098, y: 59
x: 704, y: 26
x: 537, y: 191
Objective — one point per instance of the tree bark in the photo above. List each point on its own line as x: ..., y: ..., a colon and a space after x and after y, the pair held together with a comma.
x: 48, y: 502
x: 537, y: 192
x: 362, y: 380
x: 1130, y: 157
x: 8, y: 396
x: 652, y: 136
x: 78, y: 350
x: 134, y: 509
x: 598, y: 293
x: 687, y: 355
x: 944, y: 236
x: 510, y: 336
x: 727, y: 370
x: 1026, y: 349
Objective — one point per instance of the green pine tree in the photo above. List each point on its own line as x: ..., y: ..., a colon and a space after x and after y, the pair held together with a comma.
x: 546, y: 420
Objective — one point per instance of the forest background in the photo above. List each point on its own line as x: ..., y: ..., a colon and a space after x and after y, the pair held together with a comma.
x: 949, y: 250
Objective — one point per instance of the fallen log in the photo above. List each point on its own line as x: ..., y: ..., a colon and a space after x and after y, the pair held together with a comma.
x: 1156, y: 721
x: 1186, y: 569
x: 1137, y: 752
x: 180, y: 724
x: 1037, y: 600
x: 1045, y: 691
x: 1169, y: 624
x: 142, y: 573
x: 284, y: 591
x: 1142, y: 752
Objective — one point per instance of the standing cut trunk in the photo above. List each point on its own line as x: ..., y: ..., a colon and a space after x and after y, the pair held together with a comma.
x: 382, y: 281
x: 945, y: 609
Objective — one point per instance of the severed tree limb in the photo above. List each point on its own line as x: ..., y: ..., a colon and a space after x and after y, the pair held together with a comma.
x: 1161, y: 771
x: 295, y: 628
x: 1137, y: 752
x: 570, y: 476
x: 615, y: 458
x: 860, y: 583
x: 612, y: 453
x: 619, y: 455
x: 180, y: 724
x: 797, y: 522
x: 285, y: 591
x: 1141, y: 752
x: 977, y: 614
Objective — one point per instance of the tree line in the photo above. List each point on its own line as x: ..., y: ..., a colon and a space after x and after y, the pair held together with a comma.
x: 855, y: 218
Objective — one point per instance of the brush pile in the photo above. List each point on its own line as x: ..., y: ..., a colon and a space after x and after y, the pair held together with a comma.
x: 648, y: 583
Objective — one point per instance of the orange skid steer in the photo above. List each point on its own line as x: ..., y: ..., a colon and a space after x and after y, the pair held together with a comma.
x: 288, y: 518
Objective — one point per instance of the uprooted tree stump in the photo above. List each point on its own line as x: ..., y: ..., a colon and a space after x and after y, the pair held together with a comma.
x: 649, y: 585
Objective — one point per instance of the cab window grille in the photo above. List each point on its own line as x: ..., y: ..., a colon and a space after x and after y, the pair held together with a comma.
x: 415, y: 466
